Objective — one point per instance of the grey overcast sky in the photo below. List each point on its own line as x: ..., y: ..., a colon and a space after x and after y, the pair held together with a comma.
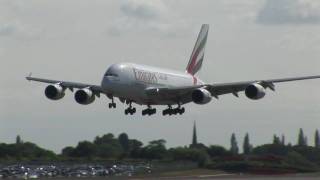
x: 76, y: 40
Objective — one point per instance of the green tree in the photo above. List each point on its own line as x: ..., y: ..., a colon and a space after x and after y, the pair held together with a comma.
x: 158, y: 143
x: 310, y: 153
x: 217, y: 151
x: 271, y: 149
x: 276, y: 139
x: 105, y: 139
x: 124, y: 142
x: 68, y: 151
x: 155, y: 149
x: 181, y: 153
x: 283, y: 140
x: 202, y: 158
x: 301, y: 138
x: 306, y: 141
x: 317, y: 139
x: 135, y: 148
x: 234, y: 149
x: 85, y: 149
x: 108, y: 151
x: 192, y: 154
x: 25, y: 151
x: 298, y: 160
x: 247, y: 147
x: 107, y: 146
x: 194, y: 135
x: 19, y: 140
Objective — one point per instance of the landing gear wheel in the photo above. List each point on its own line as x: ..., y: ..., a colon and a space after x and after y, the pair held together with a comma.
x: 149, y: 111
x: 174, y: 111
x: 112, y: 105
x: 181, y: 111
x: 130, y: 110
x: 167, y: 111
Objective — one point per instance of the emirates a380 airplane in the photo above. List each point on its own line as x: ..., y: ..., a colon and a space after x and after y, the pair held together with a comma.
x: 145, y: 85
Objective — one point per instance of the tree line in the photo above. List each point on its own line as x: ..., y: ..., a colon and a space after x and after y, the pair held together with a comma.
x: 110, y: 147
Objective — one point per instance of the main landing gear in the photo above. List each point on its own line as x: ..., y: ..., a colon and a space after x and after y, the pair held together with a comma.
x: 112, y: 104
x: 149, y: 111
x: 130, y: 110
x: 173, y: 111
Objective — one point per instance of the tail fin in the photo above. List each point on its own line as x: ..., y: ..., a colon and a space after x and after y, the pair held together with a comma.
x: 197, y: 55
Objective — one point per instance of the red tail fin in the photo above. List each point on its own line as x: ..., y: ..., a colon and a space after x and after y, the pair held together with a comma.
x: 197, y: 55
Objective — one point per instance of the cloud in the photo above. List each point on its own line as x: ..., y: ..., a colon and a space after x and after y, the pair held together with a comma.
x: 143, y: 9
x: 14, y: 21
x: 241, y: 11
x: 146, y: 16
x: 7, y: 29
x: 290, y: 12
x: 19, y: 30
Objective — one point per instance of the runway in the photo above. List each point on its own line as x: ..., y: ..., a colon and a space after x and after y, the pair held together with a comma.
x: 217, y: 177
x: 251, y: 177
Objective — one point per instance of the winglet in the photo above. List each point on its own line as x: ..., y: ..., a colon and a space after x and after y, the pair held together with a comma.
x: 29, y: 76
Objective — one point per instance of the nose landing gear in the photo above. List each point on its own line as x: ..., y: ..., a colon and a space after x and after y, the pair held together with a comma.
x: 112, y: 104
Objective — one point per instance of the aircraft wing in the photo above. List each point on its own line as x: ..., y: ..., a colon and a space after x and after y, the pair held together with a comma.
x: 234, y: 88
x: 70, y: 85
x: 183, y: 93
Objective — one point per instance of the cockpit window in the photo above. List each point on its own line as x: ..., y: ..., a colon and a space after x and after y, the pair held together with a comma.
x: 111, y: 74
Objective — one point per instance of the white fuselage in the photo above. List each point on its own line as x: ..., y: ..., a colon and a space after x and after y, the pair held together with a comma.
x: 129, y: 81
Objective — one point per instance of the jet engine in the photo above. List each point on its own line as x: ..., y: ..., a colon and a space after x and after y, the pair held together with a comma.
x: 255, y: 91
x: 84, y: 96
x: 201, y: 96
x: 54, y: 92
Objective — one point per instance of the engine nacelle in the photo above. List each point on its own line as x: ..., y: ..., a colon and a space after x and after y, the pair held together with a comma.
x: 255, y: 91
x: 54, y: 92
x: 84, y: 96
x: 201, y: 96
